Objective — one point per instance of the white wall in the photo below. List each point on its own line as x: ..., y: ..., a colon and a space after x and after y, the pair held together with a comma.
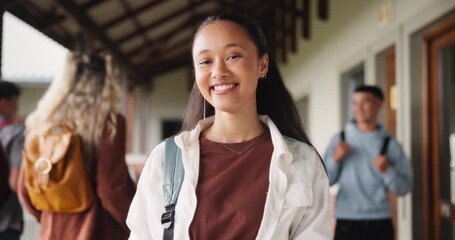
x: 30, y: 95
x: 168, y: 98
x: 352, y: 35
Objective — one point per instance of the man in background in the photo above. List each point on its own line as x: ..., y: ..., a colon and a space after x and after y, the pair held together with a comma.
x: 366, y: 162
x: 12, y: 140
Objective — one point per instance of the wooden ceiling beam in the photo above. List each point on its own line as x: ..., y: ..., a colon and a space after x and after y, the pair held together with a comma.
x: 183, y: 25
x: 306, y: 19
x: 136, y: 22
x: 87, y: 23
x: 235, y: 6
x: 293, y: 27
x: 51, y: 20
x: 12, y: 3
x: 158, y: 40
x: 132, y: 13
x: 323, y: 9
x: 160, y: 21
x: 91, y: 4
x: 46, y: 20
x: 156, y: 54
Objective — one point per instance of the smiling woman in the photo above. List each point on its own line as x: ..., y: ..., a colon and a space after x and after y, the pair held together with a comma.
x: 250, y: 169
x: 227, y: 68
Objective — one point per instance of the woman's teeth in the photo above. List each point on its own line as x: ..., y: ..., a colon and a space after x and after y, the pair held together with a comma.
x: 223, y: 87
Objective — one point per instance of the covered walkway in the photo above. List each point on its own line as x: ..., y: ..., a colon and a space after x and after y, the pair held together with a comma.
x: 324, y: 49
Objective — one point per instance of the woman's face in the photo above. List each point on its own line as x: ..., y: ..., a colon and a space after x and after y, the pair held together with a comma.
x: 227, y: 67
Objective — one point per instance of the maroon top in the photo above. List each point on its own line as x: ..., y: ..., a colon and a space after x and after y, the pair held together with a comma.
x: 114, y: 192
x: 232, y: 189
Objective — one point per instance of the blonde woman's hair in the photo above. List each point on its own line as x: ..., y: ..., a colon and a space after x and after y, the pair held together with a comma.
x: 85, y: 95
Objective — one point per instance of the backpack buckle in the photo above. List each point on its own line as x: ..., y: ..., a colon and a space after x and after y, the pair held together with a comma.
x: 43, y: 166
x: 168, y: 216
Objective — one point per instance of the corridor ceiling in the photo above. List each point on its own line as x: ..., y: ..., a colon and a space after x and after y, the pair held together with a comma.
x: 151, y: 37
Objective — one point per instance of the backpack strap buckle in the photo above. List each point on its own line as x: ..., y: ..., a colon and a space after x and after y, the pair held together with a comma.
x: 167, y: 219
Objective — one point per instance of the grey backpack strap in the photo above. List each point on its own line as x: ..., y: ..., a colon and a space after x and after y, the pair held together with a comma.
x: 342, y: 136
x: 172, y: 182
x: 385, y: 145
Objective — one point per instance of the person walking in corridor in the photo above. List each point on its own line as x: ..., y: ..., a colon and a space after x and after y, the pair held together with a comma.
x: 85, y: 98
x: 250, y: 171
x: 366, y: 162
x: 12, y: 141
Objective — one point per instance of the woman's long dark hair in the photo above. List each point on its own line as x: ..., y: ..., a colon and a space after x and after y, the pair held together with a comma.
x: 272, y: 97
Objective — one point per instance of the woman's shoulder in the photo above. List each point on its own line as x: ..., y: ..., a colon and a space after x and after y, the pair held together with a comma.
x: 303, y: 154
x: 297, y: 146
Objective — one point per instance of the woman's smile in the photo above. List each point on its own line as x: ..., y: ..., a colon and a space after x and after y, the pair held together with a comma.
x: 223, y: 88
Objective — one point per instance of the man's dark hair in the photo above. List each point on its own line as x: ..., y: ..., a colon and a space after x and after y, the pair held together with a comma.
x: 374, y: 90
x: 8, y: 90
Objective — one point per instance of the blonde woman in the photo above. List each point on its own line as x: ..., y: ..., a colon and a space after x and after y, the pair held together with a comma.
x: 86, y: 97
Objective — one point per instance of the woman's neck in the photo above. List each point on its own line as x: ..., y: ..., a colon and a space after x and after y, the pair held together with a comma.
x: 234, y: 128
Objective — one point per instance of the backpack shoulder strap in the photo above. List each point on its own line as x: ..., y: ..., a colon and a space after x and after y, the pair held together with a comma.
x: 342, y: 136
x: 385, y: 145
x: 172, y: 182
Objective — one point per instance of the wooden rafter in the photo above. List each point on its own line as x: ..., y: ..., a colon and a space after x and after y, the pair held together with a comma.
x: 51, y: 20
x: 323, y: 9
x: 188, y: 22
x: 132, y: 14
x: 136, y: 22
x: 91, y: 4
x: 236, y: 6
x: 157, y: 41
x: 293, y: 27
x: 306, y: 19
x: 157, y: 54
x: 160, y: 21
x: 88, y: 24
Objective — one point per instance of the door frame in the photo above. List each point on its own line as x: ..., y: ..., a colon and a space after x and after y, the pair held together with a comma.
x: 433, y: 40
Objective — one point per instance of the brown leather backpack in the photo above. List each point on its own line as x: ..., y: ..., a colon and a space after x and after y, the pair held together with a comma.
x: 56, y: 177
